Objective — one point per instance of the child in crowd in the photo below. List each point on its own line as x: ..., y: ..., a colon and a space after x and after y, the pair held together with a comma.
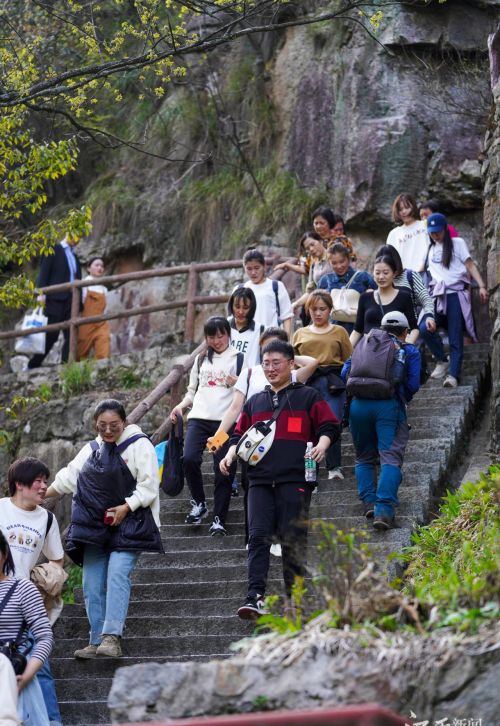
x: 273, y: 302
x: 209, y: 394
x: 380, y: 431
x: 450, y: 264
x: 245, y: 332
x: 94, y: 336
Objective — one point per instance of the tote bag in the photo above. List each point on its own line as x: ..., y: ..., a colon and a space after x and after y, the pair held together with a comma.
x: 345, y: 303
x: 32, y: 344
x: 172, y: 480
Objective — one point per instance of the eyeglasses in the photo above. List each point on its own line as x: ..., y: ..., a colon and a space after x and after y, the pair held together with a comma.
x: 113, y: 427
x: 274, y: 364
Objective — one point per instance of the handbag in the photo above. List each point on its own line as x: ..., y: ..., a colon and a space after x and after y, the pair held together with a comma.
x: 172, y: 479
x: 258, y: 439
x: 345, y: 302
x: 32, y: 344
x: 10, y: 648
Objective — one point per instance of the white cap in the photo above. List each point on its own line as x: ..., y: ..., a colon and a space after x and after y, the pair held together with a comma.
x: 394, y: 320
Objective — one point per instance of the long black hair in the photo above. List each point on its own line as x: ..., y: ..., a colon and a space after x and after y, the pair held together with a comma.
x: 215, y: 324
x: 447, y: 243
x: 110, y: 404
x: 8, y: 566
x: 390, y: 251
x: 243, y: 293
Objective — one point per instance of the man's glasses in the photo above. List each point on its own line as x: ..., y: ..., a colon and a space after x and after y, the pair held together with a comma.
x: 274, y: 364
x: 113, y: 427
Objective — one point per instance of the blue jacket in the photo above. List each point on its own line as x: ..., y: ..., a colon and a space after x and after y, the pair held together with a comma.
x: 362, y: 283
x: 411, y: 384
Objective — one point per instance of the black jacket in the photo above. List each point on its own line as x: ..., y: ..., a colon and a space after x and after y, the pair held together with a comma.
x: 54, y: 270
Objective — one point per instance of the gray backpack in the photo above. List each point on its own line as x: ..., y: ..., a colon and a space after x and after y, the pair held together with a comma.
x: 375, y: 371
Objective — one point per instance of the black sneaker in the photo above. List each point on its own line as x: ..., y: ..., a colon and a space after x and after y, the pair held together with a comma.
x: 383, y: 523
x: 197, y: 513
x: 252, y: 609
x: 368, y: 509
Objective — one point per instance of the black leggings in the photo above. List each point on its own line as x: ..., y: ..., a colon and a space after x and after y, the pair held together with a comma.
x: 198, y: 431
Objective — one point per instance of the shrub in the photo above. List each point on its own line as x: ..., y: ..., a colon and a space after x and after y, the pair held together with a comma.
x: 75, y: 378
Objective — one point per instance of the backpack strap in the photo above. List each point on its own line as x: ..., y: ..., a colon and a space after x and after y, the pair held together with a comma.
x: 94, y: 445
x: 239, y: 362
x: 132, y: 439
x: 275, y: 290
x: 249, y: 375
x: 346, y: 287
x: 409, y: 277
x: 50, y: 519
x: 3, y: 605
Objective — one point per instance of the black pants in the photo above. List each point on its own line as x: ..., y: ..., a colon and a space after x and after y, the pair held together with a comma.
x: 198, y: 431
x: 56, y: 313
x: 280, y: 509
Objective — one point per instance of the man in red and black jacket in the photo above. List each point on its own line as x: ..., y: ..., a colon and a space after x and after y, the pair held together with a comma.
x: 278, y: 496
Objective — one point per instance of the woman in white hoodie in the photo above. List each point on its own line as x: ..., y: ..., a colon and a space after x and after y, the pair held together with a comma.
x: 209, y: 395
x: 114, y: 517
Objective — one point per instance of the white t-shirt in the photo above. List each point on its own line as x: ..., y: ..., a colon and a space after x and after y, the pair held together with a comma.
x: 457, y: 269
x: 266, y: 313
x: 247, y: 342
x: 256, y: 383
x: 25, y: 533
x: 101, y: 289
x: 412, y: 242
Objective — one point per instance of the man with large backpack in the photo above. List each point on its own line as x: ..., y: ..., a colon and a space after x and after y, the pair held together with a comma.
x: 383, y: 376
x: 31, y: 531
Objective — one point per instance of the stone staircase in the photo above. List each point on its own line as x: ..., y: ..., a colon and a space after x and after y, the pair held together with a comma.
x: 184, y: 603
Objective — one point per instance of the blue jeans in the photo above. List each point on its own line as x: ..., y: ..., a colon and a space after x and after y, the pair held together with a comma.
x: 379, y: 431
x: 31, y: 709
x: 336, y: 403
x: 46, y: 681
x: 433, y: 342
x: 48, y: 687
x: 106, y: 589
x: 453, y: 321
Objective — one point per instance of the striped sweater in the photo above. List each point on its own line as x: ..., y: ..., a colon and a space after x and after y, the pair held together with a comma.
x: 25, y: 604
x: 419, y: 293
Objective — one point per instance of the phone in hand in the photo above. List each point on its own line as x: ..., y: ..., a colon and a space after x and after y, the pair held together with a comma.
x: 109, y: 517
x: 217, y: 440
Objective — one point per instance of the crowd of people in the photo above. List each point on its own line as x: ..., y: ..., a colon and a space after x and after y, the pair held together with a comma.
x: 269, y: 393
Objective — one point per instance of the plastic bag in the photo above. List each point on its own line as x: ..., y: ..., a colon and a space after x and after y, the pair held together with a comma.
x: 32, y: 344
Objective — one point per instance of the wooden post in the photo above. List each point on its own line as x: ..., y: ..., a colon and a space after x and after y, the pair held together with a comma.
x: 73, y: 329
x: 192, y: 285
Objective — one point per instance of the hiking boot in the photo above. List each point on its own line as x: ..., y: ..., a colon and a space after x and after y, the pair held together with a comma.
x: 217, y: 528
x: 336, y: 473
x: 440, y: 369
x: 197, y: 513
x: 450, y: 382
x: 369, y: 509
x: 383, y: 523
x: 90, y: 651
x: 252, y: 609
x: 110, y: 646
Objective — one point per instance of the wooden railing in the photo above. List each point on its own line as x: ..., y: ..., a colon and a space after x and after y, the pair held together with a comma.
x: 189, y: 302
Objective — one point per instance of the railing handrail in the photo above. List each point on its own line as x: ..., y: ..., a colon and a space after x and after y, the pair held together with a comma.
x: 192, y: 269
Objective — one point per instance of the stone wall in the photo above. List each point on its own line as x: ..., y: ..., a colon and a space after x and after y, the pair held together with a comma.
x: 491, y: 174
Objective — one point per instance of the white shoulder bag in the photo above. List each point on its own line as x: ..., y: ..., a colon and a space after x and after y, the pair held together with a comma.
x: 345, y: 302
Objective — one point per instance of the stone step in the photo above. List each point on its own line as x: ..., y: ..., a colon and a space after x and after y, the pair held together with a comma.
x: 88, y: 712
x: 148, y: 626
x: 207, y: 606
x: 173, y: 645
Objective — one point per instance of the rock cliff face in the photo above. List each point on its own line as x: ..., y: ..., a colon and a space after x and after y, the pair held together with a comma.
x: 354, y: 117
x: 324, y: 113
x: 491, y: 171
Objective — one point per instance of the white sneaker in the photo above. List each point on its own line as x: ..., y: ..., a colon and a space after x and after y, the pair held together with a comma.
x: 217, y: 528
x: 275, y: 549
x: 336, y: 473
x: 440, y: 369
x: 450, y: 382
